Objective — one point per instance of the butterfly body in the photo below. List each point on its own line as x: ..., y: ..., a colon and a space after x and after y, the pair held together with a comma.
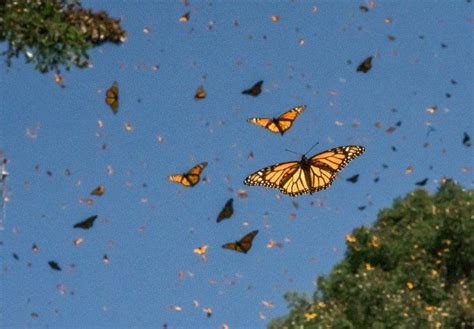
x: 280, y: 124
x: 308, y: 175
x: 190, y: 178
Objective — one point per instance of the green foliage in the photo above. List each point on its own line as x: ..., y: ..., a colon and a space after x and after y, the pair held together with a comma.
x: 413, y: 269
x: 52, y: 33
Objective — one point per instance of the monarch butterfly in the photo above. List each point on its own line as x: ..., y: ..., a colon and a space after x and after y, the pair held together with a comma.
x: 280, y: 124
x: 54, y: 265
x: 307, y: 175
x: 87, y: 223
x: 227, y: 211
x: 255, y: 90
x: 98, y: 191
x: 243, y: 245
x: 366, y: 65
x: 190, y: 178
x: 112, y: 97
x: 200, y: 93
x: 353, y: 179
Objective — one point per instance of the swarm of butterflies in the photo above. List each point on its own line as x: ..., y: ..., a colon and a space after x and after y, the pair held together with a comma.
x: 293, y: 178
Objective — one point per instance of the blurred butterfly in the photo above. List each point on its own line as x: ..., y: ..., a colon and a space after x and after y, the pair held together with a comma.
x: 112, y: 97
x: 366, y: 65
x: 353, y: 179
x: 190, y: 178
x: 466, y: 140
x: 200, y: 93
x: 98, y: 191
x: 255, y: 90
x: 280, y: 124
x: 54, y: 265
x: 307, y: 175
x: 243, y: 245
x: 422, y: 182
x: 87, y: 223
x: 227, y: 211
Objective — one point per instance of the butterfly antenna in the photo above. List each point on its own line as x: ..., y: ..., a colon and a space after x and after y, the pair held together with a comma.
x: 312, y: 147
x: 292, y: 151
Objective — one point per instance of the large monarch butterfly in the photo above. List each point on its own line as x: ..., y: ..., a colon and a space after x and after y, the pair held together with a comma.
x: 255, y: 90
x: 280, y: 124
x: 112, y: 97
x: 365, y: 66
x: 227, y: 211
x: 242, y: 245
x: 191, y: 177
x: 307, y: 175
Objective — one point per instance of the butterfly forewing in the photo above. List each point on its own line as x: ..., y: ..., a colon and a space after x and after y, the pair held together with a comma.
x: 273, y: 175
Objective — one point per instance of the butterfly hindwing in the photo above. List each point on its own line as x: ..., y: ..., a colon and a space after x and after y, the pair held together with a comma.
x: 244, y: 244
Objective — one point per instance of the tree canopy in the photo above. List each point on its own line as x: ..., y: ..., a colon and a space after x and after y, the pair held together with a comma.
x: 54, y: 33
x: 412, y: 269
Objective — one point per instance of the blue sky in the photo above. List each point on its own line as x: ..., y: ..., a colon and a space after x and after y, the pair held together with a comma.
x: 148, y: 227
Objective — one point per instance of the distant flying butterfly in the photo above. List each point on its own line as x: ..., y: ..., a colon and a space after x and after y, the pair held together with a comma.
x: 87, y: 223
x: 307, y: 175
x: 112, y: 97
x: 466, y: 140
x: 191, y: 177
x: 366, y: 65
x: 200, y: 93
x: 227, y: 211
x: 54, y: 265
x: 98, y: 191
x: 422, y: 182
x: 243, y: 245
x: 353, y: 179
x: 282, y: 123
x: 255, y: 90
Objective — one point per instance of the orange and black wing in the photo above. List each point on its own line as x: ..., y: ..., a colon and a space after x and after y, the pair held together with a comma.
x: 244, y: 244
x: 255, y: 90
x: 227, y: 211
x: 366, y: 65
x: 190, y: 178
x: 112, y: 97
x: 272, y: 176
